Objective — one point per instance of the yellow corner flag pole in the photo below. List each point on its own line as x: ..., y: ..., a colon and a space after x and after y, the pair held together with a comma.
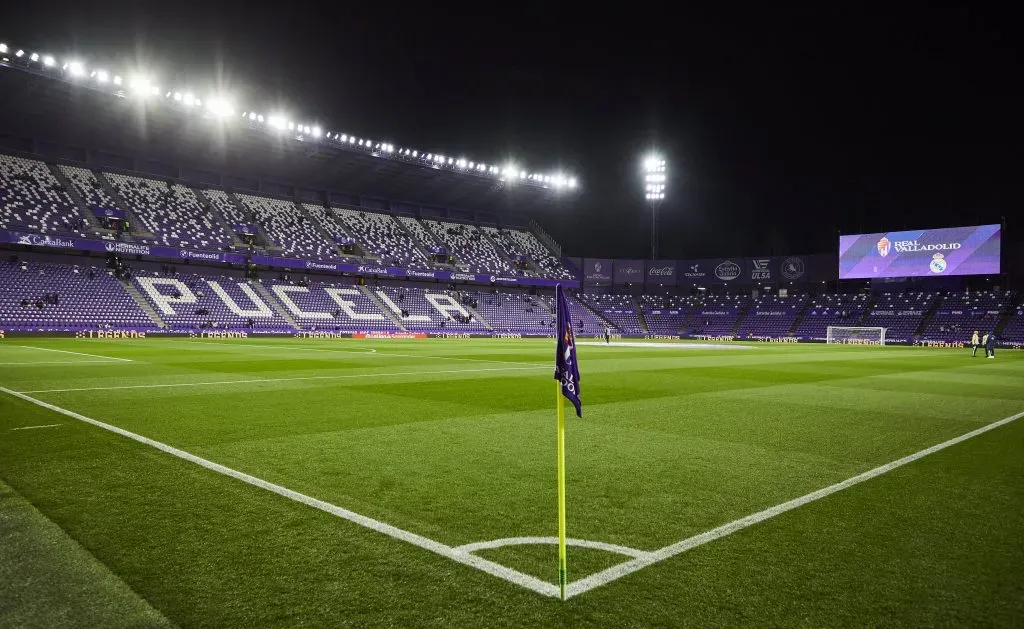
x: 562, y: 570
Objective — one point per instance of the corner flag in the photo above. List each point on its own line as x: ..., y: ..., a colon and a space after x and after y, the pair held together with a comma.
x: 567, y: 385
x: 567, y: 371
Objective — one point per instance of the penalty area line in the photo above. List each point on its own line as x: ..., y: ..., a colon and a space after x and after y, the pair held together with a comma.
x: 617, y: 572
x: 508, y: 574
x: 293, y: 379
x: 64, y: 351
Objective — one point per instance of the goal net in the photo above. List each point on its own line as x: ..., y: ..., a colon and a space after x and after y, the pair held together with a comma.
x: 855, y: 335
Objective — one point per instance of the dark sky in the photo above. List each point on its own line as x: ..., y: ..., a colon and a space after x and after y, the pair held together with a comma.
x: 782, y: 126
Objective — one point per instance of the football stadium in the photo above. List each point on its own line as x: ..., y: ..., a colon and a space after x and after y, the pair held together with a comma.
x: 258, y: 371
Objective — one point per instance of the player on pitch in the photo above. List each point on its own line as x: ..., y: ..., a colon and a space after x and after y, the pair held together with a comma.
x: 975, y: 343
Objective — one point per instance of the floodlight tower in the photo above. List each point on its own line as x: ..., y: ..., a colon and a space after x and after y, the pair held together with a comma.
x: 654, y: 193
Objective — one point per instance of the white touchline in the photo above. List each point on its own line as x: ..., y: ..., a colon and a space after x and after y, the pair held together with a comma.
x: 255, y: 380
x: 616, y: 572
x: 61, y: 362
x: 34, y: 427
x: 490, y: 567
x: 64, y: 351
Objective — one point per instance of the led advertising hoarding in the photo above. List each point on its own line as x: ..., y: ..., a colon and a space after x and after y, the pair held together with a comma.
x: 918, y: 253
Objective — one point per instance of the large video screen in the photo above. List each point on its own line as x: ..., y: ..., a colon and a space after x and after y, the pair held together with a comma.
x: 922, y: 252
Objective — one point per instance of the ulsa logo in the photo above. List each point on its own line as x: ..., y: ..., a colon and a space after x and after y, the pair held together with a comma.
x: 883, y: 246
x: 792, y: 268
x: 761, y: 270
x: 727, y: 270
x: 938, y: 263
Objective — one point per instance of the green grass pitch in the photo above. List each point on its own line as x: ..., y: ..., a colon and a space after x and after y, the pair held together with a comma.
x: 452, y: 442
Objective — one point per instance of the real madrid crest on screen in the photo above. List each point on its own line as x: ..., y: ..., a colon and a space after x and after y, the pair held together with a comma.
x: 938, y: 263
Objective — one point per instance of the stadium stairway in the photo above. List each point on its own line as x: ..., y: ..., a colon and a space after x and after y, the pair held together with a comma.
x: 600, y: 317
x: 135, y: 226
x: 1008, y: 316
x: 479, y: 317
x: 275, y: 303
x: 798, y: 319
x: 545, y: 238
x: 640, y: 314
x: 740, y: 318
x: 499, y: 249
x: 390, y: 314
x: 318, y: 226
x: 261, y: 235
x: 867, y: 311
x: 928, y: 316
x: 143, y: 304
x: 90, y: 217
x: 423, y: 247
x: 218, y: 217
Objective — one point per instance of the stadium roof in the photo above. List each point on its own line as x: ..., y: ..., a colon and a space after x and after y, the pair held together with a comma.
x: 64, y: 101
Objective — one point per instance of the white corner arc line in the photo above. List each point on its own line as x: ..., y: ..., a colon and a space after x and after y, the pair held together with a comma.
x: 64, y: 351
x: 580, y: 543
x: 490, y: 567
x: 296, y: 378
x: 34, y: 427
x: 616, y: 572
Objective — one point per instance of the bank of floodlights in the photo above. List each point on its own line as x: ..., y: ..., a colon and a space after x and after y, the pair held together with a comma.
x: 220, y: 108
x: 654, y: 178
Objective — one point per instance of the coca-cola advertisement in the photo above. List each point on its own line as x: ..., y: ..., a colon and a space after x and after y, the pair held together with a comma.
x: 660, y: 273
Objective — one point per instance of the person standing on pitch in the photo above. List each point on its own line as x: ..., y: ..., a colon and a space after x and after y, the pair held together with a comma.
x: 607, y: 335
x: 975, y: 343
x: 990, y: 344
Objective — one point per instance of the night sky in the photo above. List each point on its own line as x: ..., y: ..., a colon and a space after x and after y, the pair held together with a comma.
x: 782, y: 127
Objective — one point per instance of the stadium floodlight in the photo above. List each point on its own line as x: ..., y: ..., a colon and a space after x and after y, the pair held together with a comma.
x: 252, y: 115
x: 188, y: 99
x: 415, y: 153
x: 522, y: 174
x: 75, y: 68
x: 117, y: 80
x: 219, y: 106
x: 351, y: 139
x: 49, y: 61
x: 259, y: 117
x: 655, y: 178
x: 34, y: 56
x: 450, y: 160
x: 316, y: 132
x: 177, y: 96
x: 140, y: 85
x: 101, y: 76
x: 291, y: 126
x: 277, y: 121
x: 572, y: 182
x: 3, y: 49
x: 20, y: 53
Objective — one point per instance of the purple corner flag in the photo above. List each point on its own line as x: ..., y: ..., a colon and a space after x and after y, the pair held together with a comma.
x: 567, y: 370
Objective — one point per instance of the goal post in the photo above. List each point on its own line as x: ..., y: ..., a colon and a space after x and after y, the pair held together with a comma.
x: 855, y: 335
